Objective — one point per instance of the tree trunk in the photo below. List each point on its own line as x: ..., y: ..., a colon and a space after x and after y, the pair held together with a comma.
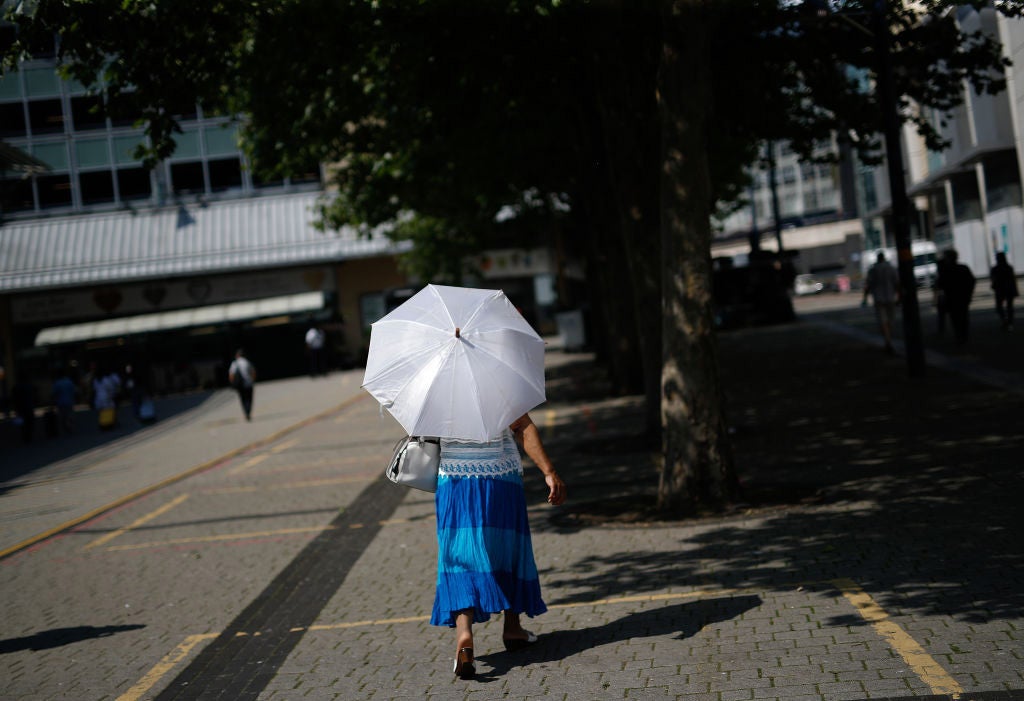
x: 697, y: 471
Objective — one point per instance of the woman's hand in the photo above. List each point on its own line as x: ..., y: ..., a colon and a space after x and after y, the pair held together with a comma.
x: 556, y: 489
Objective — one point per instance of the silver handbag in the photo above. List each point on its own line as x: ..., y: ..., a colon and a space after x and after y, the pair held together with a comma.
x: 415, y: 462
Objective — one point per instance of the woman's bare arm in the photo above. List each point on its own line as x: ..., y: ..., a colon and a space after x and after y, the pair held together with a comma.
x: 527, y: 434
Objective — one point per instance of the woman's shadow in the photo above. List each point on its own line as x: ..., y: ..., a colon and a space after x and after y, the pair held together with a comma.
x: 686, y: 619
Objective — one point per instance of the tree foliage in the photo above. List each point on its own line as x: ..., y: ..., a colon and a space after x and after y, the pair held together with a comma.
x: 613, y: 126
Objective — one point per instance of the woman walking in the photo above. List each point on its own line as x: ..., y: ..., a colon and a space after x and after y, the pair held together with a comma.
x: 485, y: 555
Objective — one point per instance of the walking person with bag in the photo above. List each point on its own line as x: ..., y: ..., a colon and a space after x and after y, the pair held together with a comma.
x: 485, y: 561
x: 463, y: 365
x: 242, y: 376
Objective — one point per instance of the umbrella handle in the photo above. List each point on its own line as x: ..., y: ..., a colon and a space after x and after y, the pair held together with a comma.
x: 457, y: 332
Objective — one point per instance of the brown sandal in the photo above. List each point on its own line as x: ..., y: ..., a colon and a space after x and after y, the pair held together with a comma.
x: 464, y: 667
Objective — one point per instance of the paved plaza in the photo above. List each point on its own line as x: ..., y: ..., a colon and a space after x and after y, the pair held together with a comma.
x: 877, y: 552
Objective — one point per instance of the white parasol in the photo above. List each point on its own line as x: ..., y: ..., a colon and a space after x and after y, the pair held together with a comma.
x: 455, y: 362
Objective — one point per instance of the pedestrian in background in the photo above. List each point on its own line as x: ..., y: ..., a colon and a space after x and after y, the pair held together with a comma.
x: 242, y: 376
x: 957, y: 284
x: 105, y: 389
x: 883, y: 284
x: 315, y: 340
x: 1004, y: 285
x: 63, y: 395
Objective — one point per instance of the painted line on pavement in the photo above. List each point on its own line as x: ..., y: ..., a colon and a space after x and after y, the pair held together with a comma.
x: 181, y: 651
x: 301, y: 484
x: 85, y: 518
x: 920, y: 662
x: 218, y: 538
x: 164, y: 666
x: 251, y: 462
x: 284, y: 446
x: 221, y: 537
x: 103, y: 540
x: 923, y: 664
x: 549, y: 423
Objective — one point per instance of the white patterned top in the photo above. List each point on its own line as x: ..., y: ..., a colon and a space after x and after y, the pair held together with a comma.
x: 499, y: 456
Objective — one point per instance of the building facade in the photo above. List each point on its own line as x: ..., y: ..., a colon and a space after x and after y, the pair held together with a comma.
x: 106, y: 262
x: 967, y: 197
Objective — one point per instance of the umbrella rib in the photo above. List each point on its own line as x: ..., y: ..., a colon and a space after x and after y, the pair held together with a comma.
x: 479, y: 307
x: 391, y: 369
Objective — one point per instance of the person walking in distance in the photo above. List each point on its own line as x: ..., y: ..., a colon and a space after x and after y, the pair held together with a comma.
x: 883, y: 284
x: 315, y: 351
x: 1004, y: 286
x: 242, y: 376
x: 957, y: 284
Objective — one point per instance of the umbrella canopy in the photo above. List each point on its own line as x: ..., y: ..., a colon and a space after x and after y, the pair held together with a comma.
x: 455, y: 362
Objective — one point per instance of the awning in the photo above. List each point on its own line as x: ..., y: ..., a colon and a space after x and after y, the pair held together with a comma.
x: 254, y: 233
x: 182, y: 318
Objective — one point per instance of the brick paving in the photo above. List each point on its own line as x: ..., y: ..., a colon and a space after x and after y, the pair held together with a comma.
x: 877, y: 553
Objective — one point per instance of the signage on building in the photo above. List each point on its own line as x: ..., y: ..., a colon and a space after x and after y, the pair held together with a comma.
x: 162, y: 295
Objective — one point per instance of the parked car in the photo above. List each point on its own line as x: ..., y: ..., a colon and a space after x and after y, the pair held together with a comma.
x: 807, y: 285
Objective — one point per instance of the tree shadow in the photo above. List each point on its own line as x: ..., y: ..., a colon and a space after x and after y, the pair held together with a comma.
x: 681, y: 620
x: 58, y: 637
x: 909, y: 487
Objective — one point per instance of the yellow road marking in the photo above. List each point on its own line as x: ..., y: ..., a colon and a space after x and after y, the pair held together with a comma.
x: 194, y: 470
x: 549, y: 423
x: 930, y: 672
x: 220, y: 537
x: 302, y: 484
x: 284, y: 446
x: 248, y: 463
x: 136, y: 523
x: 164, y: 666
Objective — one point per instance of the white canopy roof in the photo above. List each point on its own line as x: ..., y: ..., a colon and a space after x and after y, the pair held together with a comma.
x: 181, y: 239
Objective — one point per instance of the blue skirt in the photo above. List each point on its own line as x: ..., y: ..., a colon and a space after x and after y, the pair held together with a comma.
x: 485, y: 555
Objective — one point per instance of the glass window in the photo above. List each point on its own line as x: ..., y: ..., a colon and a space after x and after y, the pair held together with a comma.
x: 187, y: 178
x: 87, y: 112
x: 187, y: 145
x: 134, y: 183
x: 96, y: 187
x: 10, y: 86
x: 92, y: 153
x: 42, y: 82
x: 225, y: 174
x: 54, y: 155
x: 124, y: 148
x: 221, y: 140
x: 12, y: 119
x: 16, y: 195
x: 124, y: 115
x: 46, y: 117
x: 54, y: 190
x: 74, y: 87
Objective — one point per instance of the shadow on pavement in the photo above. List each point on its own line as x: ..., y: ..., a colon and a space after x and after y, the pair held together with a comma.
x: 849, y: 468
x: 681, y: 620
x: 59, y: 637
x: 19, y: 458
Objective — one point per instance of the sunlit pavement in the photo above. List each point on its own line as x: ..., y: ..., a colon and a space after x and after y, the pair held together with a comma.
x: 876, y: 553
